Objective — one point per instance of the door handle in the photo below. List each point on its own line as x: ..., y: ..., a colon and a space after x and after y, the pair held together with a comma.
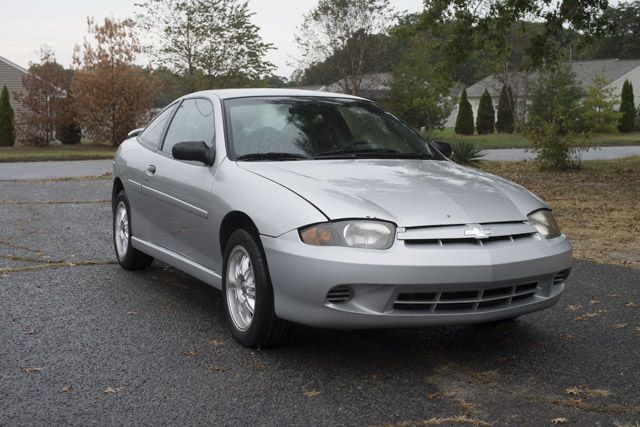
x: 151, y: 170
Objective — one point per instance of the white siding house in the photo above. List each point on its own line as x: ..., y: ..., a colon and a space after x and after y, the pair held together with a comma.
x: 613, y: 70
x: 11, y: 76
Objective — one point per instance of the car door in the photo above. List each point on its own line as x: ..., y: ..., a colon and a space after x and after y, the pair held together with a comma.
x: 138, y: 173
x: 180, y: 221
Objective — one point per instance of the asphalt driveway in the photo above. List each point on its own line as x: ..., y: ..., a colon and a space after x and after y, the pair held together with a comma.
x: 84, y: 342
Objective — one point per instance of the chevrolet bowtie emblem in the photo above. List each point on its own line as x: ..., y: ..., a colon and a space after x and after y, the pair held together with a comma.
x: 478, y: 232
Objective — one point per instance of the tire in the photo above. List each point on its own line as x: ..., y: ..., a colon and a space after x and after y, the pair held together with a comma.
x: 245, y: 275
x: 128, y: 257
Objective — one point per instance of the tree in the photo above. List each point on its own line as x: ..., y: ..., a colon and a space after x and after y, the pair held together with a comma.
x: 505, y: 122
x: 207, y: 41
x: 485, y: 121
x: 112, y: 95
x: 599, y: 107
x: 45, y: 84
x: 476, y: 24
x: 420, y: 88
x: 555, y: 117
x: 464, y: 120
x: 627, y: 109
x: 619, y: 35
x: 7, y: 130
x: 342, y: 30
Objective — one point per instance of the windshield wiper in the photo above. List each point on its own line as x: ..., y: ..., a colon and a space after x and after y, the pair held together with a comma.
x: 363, y: 153
x: 272, y: 156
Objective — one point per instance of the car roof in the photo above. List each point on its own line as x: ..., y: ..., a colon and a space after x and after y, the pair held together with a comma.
x: 245, y: 93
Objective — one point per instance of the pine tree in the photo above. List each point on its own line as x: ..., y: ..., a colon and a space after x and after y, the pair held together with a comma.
x: 627, y: 108
x: 7, y: 131
x: 485, y: 121
x: 464, y: 120
x: 505, y: 123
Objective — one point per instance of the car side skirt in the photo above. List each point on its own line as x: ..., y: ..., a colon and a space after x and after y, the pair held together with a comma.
x: 178, y: 261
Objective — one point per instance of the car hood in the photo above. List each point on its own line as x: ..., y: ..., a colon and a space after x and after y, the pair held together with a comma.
x: 409, y: 193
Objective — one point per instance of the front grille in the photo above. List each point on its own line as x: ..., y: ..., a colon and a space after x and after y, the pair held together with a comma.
x: 469, y: 235
x: 560, y: 278
x: 465, y: 301
x: 339, y: 294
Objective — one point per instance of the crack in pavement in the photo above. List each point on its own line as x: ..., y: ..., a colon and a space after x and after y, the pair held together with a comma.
x: 54, y: 264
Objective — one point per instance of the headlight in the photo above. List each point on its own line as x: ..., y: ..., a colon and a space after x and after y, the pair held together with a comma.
x: 546, y: 224
x: 354, y: 234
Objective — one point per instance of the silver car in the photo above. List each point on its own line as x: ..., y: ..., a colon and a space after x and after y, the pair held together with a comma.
x: 326, y: 210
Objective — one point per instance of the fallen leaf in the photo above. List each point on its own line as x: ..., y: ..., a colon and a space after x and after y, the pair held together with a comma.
x: 191, y: 353
x: 559, y: 420
x: 466, y: 407
x: 260, y: 366
x: 433, y: 396
x: 632, y: 305
x: 575, y: 391
x: 310, y: 393
x: 112, y: 390
x: 216, y: 342
x: 637, y: 329
x: 594, y: 301
x: 32, y: 370
x: 583, y: 391
x: 620, y: 325
x: 573, y: 307
x: 67, y: 389
x: 132, y: 313
x: 216, y: 369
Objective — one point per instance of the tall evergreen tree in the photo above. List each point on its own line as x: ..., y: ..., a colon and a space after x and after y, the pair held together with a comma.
x: 7, y: 130
x: 464, y: 120
x: 505, y: 122
x: 627, y: 108
x: 485, y: 121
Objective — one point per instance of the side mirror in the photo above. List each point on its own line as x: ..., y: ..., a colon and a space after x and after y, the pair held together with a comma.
x: 443, y: 147
x: 135, y: 132
x: 197, y: 151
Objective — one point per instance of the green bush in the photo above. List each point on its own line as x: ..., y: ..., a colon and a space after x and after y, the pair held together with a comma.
x: 599, y: 107
x: 7, y: 129
x: 69, y: 133
x: 486, y: 115
x: 555, y: 118
x: 505, y: 122
x: 467, y: 152
x: 464, y: 120
x: 627, y: 109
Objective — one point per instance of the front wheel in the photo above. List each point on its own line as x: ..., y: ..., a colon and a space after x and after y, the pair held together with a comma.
x: 128, y: 257
x: 248, y: 294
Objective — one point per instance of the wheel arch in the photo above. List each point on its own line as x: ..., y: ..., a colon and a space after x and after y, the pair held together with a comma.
x: 231, y: 222
x: 116, y: 189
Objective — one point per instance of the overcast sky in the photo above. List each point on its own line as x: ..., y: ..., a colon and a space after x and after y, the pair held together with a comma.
x: 25, y: 25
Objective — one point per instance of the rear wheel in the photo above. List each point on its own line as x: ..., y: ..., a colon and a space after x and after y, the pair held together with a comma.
x: 128, y: 257
x: 248, y: 293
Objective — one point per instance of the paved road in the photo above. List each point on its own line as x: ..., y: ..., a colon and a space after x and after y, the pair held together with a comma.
x: 54, y: 170
x: 81, y: 168
x: 85, y: 342
x: 602, y: 153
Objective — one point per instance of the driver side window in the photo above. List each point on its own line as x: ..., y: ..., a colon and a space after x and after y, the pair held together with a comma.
x: 192, y: 122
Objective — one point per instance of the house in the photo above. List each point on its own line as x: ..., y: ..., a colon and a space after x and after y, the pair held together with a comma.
x: 11, y: 75
x: 374, y: 86
x: 614, y: 71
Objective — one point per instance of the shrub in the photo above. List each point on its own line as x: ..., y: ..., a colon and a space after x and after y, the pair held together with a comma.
x: 464, y: 120
x: 486, y: 115
x: 627, y: 109
x: 555, y: 117
x: 467, y: 152
x: 505, y: 122
x: 69, y: 133
x: 599, y: 107
x: 7, y: 130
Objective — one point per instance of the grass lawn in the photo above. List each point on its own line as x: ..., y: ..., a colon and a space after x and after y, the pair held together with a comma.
x: 598, y: 207
x: 56, y: 152
x: 501, y: 140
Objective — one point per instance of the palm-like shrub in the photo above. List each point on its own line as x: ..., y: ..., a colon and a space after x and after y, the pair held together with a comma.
x: 467, y: 153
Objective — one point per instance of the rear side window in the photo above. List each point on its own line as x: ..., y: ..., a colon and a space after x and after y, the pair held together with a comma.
x: 152, y: 135
x: 193, y: 122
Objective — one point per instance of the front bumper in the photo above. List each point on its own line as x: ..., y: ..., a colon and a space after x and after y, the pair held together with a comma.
x: 413, y: 285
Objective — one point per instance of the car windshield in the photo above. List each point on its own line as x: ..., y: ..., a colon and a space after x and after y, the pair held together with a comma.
x: 298, y: 128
